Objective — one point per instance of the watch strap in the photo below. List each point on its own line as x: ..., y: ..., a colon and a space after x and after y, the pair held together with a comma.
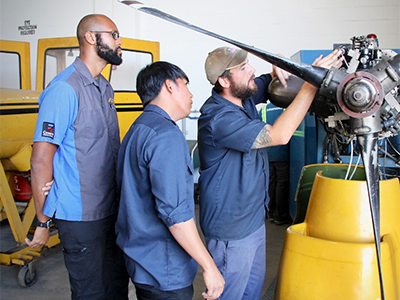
x: 46, y: 224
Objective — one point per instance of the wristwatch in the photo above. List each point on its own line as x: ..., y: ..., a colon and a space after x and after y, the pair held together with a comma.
x: 46, y: 224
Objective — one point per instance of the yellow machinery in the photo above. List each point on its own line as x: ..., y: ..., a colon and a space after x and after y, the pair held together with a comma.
x: 18, y: 114
x: 16, y: 133
x: 331, y: 255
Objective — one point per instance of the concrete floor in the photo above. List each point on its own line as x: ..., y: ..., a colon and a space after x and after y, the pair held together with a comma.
x: 52, y: 277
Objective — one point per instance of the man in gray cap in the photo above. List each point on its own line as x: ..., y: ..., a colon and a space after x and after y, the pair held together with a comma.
x: 234, y: 164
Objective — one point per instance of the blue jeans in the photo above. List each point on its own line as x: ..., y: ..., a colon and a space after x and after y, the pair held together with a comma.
x: 242, y: 264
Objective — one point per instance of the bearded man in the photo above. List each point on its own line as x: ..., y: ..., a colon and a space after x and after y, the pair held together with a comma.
x: 234, y: 164
x: 76, y: 143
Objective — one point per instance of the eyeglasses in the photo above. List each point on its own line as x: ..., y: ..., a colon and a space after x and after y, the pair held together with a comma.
x: 115, y: 34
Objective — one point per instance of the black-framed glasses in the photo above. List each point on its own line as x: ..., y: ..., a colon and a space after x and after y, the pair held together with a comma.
x: 115, y: 34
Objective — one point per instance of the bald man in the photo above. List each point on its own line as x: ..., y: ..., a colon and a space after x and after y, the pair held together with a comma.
x: 76, y: 143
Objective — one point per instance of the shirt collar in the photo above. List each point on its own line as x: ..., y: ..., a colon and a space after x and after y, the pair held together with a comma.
x: 86, y: 76
x: 158, y: 110
x: 247, y: 103
x: 224, y: 101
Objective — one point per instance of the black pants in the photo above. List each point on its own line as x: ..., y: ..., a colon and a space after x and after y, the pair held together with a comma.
x: 279, y: 191
x: 147, y: 292
x: 94, y: 261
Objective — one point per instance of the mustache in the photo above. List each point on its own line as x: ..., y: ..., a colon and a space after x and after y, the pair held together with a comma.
x: 252, y: 78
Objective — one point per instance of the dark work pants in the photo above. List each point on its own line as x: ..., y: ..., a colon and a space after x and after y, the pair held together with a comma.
x: 147, y: 292
x: 94, y: 261
x: 279, y: 189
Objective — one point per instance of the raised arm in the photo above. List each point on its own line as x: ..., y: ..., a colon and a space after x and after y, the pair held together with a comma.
x: 282, y: 130
x: 280, y: 73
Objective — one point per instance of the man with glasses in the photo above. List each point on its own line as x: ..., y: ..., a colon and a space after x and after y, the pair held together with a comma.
x: 76, y: 143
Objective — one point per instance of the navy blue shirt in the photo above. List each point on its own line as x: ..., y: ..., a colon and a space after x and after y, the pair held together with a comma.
x: 155, y: 175
x: 234, y: 178
x: 78, y: 114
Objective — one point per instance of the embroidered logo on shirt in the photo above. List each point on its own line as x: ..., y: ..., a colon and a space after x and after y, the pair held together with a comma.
x: 48, y: 130
x: 112, y: 104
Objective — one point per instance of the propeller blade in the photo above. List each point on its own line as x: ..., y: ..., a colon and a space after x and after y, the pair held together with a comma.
x: 312, y: 74
x: 369, y: 153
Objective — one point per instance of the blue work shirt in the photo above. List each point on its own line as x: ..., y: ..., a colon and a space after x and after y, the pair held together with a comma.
x: 77, y: 113
x: 234, y: 178
x: 155, y: 175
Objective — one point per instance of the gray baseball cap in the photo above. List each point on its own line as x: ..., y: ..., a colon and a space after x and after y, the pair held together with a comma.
x: 222, y: 59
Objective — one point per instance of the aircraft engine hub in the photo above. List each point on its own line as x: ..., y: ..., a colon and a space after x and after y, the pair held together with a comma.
x: 360, y: 95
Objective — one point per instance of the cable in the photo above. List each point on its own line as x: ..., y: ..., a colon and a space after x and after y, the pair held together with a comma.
x: 355, y: 168
x: 351, y: 159
x: 393, y: 147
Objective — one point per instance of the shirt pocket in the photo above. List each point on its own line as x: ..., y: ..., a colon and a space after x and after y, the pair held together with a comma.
x: 93, y: 123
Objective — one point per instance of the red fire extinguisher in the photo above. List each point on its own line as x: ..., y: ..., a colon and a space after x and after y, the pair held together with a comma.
x: 22, y: 187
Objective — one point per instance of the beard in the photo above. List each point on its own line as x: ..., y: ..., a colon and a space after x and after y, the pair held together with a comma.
x: 105, y: 52
x: 241, y: 91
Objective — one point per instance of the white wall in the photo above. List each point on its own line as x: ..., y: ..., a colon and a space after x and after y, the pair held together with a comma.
x: 285, y: 26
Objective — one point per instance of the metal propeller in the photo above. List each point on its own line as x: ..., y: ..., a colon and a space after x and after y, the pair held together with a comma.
x: 369, y: 152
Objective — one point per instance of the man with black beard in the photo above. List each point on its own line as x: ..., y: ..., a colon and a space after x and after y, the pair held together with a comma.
x: 76, y: 143
x: 113, y: 56
x: 234, y: 165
